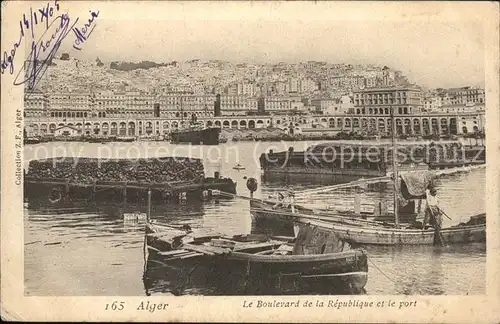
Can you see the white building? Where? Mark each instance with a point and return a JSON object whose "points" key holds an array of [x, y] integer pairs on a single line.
{"points": [[458, 108], [432, 103], [68, 131], [36, 104], [471, 123], [246, 89], [308, 86], [327, 106], [234, 105], [293, 85], [298, 106]]}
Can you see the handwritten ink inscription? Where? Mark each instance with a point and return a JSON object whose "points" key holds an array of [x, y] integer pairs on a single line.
{"points": [[55, 28], [83, 33], [44, 50], [29, 22]]}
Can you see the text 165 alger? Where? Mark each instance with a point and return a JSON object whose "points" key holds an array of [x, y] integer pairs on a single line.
{"points": [[143, 306]]}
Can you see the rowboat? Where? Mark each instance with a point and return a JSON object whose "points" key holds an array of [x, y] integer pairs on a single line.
{"points": [[279, 219], [360, 231], [238, 167], [254, 264], [459, 234]]}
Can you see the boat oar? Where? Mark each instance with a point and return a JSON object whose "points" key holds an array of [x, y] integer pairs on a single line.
{"points": [[437, 230], [444, 213]]}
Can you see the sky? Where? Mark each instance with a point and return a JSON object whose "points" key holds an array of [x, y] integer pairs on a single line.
{"points": [[433, 45], [429, 54]]}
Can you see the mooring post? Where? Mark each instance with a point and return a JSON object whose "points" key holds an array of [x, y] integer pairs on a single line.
{"points": [[251, 186], [66, 187]]}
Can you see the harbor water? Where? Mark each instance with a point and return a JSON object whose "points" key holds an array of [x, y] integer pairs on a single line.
{"points": [[92, 251]]}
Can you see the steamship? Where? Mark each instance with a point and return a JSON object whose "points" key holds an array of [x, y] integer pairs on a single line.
{"points": [[196, 134]]}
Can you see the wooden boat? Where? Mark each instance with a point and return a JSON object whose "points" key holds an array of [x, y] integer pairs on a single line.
{"points": [[279, 215], [257, 264], [277, 218], [330, 160], [459, 234], [100, 139], [125, 139], [337, 162], [379, 233], [238, 167], [79, 182], [31, 140], [357, 230]]}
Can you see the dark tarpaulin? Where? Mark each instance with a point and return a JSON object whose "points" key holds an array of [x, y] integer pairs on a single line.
{"points": [[315, 240], [414, 184]]}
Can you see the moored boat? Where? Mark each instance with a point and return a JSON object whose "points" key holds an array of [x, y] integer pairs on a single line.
{"points": [[195, 134], [100, 139], [31, 140], [125, 139], [278, 218], [376, 235], [110, 181], [238, 167], [344, 162], [408, 188], [357, 229], [281, 213], [317, 261]]}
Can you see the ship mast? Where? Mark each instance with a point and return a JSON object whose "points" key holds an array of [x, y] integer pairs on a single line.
{"points": [[394, 168]]}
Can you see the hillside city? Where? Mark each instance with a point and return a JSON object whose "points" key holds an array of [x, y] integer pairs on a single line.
{"points": [[80, 91]]}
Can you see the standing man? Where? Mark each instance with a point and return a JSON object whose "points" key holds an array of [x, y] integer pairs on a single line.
{"points": [[281, 201], [433, 215], [291, 195]]}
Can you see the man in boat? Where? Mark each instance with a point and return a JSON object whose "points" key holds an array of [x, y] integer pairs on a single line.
{"points": [[291, 196], [286, 203], [281, 201], [433, 213]]}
